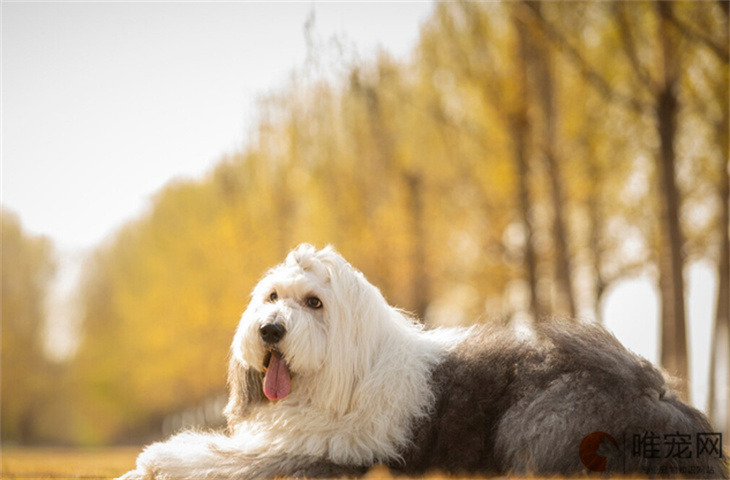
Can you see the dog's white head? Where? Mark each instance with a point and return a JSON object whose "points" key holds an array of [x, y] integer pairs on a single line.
{"points": [[284, 329], [309, 332]]}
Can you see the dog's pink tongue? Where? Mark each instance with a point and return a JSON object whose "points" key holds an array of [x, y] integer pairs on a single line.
{"points": [[276, 380]]}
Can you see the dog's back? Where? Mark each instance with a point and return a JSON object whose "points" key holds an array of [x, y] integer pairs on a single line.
{"points": [[569, 400]]}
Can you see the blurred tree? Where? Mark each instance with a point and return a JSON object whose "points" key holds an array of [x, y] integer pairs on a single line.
{"points": [[720, 357], [603, 211], [161, 304], [719, 376], [520, 127], [27, 267], [542, 64], [671, 258], [470, 52], [707, 29], [395, 167], [656, 93]]}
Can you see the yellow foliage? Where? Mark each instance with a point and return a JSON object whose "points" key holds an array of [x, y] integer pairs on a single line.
{"points": [[27, 267]]}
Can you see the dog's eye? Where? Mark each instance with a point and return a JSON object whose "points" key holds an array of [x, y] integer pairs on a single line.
{"points": [[273, 297], [314, 302]]}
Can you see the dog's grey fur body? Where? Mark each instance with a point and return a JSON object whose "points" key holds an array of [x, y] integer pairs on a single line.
{"points": [[523, 405]]}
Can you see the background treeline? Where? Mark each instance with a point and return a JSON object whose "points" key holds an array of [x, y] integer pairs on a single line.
{"points": [[526, 157]]}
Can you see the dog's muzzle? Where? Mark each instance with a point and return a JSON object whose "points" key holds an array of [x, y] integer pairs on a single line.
{"points": [[272, 333], [277, 379]]}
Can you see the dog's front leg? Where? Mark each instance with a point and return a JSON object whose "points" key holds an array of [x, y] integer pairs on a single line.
{"points": [[197, 456], [194, 456]]}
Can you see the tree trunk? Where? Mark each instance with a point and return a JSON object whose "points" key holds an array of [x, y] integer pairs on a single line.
{"points": [[674, 337], [596, 219], [564, 302], [419, 282], [718, 406], [719, 394], [519, 127]]}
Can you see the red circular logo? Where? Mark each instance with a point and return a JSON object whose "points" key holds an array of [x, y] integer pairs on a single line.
{"points": [[589, 451]]}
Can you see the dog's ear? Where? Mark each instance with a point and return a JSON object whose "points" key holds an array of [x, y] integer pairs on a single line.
{"points": [[245, 390]]}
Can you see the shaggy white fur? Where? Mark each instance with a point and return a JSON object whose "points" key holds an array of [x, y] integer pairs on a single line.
{"points": [[355, 376]]}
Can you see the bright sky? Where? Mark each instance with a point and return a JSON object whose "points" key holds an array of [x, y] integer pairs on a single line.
{"points": [[104, 103]]}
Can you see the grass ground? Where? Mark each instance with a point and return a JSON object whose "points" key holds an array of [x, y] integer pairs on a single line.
{"points": [[40, 463], [66, 463]]}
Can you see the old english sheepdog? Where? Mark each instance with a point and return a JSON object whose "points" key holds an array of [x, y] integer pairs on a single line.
{"points": [[326, 379]]}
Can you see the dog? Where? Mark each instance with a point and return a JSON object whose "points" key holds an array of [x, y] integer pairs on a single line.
{"points": [[326, 379]]}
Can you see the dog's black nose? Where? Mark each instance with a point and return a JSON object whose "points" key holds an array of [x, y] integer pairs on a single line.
{"points": [[272, 332]]}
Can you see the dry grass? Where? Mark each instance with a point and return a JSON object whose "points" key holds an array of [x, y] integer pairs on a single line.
{"points": [[66, 463], [106, 463], [99, 463]]}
